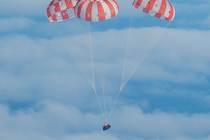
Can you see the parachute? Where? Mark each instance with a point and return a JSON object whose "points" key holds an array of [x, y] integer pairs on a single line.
{"points": [[89, 10], [161, 9], [158, 8], [59, 10], [97, 12]]}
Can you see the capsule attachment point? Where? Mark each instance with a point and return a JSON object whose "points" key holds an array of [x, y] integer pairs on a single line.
{"points": [[106, 126]]}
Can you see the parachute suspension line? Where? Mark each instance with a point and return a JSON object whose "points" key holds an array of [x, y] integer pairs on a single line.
{"points": [[91, 54], [114, 105], [107, 68], [105, 78], [126, 50], [102, 86], [143, 57], [104, 98], [104, 105], [92, 84], [137, 66], [123, 69], [99, 103], [106, 120]]}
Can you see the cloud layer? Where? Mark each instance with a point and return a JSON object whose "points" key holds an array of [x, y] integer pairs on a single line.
{"points": [[53, 120]]}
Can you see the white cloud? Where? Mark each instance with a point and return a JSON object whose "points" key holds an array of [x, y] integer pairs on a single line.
{"points": [[92, 136], [53, 120], [30, 64], [15, 24]]}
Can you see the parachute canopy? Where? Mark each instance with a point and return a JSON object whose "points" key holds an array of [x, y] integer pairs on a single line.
{"points": [[59, 10], [158, 8], [96, 10]]}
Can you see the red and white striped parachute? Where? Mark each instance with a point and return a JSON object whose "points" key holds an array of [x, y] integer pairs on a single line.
{"points": [[99, 10], [59, 10], [158, 8], [89, 10], [96, 10]]}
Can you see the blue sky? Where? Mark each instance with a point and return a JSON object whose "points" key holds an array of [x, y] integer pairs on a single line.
{"points": [[44, 94]]}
